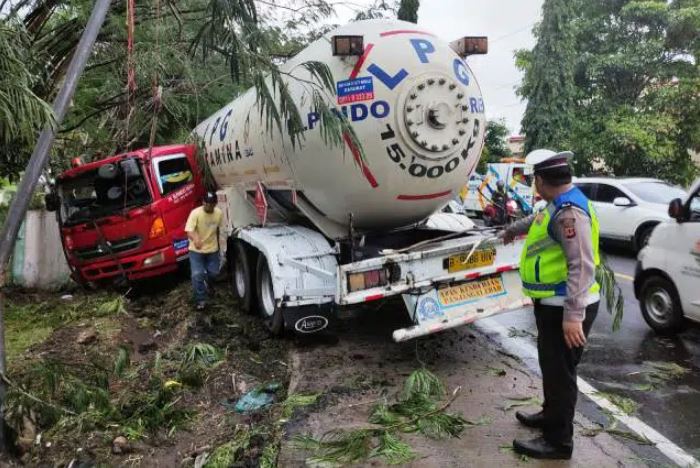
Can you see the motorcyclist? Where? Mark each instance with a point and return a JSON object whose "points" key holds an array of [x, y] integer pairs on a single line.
{"points": [[499, 199]]}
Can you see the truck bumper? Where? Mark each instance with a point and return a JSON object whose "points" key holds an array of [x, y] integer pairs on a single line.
{"points": [[137, 266]]}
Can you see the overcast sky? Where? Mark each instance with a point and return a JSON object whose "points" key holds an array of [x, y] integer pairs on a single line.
{"points": [[508, 25]]}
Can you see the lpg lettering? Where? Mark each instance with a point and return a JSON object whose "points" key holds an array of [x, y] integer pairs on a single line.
{"points": [[423, 48], [224, 126], [461, 72]]}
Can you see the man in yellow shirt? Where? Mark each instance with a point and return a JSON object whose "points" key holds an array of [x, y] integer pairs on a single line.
{"points": [[202, 229]]}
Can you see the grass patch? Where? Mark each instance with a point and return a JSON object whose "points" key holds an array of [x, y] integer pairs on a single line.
{"points": [[227, 454], [28, 323]]}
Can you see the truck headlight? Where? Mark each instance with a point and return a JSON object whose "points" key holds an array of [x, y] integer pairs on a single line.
{"points": [[156, 259]]}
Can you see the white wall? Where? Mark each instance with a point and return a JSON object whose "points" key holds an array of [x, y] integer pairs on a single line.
{"points": [[38, 261]]}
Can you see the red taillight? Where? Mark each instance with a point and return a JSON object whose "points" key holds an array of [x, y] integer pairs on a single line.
{"points": [[367, 280]]}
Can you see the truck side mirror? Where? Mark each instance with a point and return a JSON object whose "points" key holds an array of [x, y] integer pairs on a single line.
{"points": [[675, 209], [52, 202]]}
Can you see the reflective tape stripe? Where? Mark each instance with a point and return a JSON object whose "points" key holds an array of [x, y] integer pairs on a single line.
{"points": [[556, 287], [539, 246]]}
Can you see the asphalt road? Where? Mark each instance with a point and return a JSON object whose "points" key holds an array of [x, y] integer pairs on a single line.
{"points": [[627, 363]]}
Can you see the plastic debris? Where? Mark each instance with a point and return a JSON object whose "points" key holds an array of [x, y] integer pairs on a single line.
{"points": [[257, 398]]}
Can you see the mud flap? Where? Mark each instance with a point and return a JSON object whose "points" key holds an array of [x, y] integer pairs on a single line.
{"points": [[310, 319], [462, 303]]}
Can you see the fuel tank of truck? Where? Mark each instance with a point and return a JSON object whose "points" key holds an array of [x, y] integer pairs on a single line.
{"points": [[414, 105]]}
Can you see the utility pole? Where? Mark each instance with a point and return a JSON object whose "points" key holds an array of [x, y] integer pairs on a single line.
{"points": [[27, 185]]}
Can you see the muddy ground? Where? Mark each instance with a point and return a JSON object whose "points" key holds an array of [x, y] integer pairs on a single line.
{"points": [[147, 381], [115, 381]]}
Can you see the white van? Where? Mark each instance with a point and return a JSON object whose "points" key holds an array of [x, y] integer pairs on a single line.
{"points": [[667, 279]]}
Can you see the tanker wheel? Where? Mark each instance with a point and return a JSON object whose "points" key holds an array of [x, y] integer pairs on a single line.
{"points": [[242, 272], [271, 313]]}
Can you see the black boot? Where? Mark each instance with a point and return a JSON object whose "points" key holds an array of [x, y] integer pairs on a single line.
{"points": [[540, 448], [535, 420]]}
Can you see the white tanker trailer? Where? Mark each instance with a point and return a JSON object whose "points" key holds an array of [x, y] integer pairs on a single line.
{"points": [[312, 226]]}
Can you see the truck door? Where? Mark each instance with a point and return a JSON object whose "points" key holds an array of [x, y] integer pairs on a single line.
{"points": [[685, 258], [175, 181]]}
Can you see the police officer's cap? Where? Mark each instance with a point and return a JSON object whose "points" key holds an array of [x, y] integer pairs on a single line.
{"points": [[544, 159]]}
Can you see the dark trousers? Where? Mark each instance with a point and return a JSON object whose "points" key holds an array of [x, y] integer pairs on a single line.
{"points": [[558, 364]]}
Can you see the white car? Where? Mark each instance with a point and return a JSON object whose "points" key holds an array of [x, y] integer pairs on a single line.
{"points": [[629, 209], [667, 278]]}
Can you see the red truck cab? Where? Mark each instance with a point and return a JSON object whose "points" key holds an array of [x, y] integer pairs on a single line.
{"points": [[124, 216]]}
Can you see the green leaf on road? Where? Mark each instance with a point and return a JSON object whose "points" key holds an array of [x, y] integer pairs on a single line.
{"points": [[625, 404], [511, 403]]}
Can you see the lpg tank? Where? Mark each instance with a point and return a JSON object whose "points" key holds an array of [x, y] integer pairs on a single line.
{"points": [[414, 105]]}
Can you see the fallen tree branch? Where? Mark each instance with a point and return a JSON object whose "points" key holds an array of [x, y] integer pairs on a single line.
{"points": [[33, 397]]}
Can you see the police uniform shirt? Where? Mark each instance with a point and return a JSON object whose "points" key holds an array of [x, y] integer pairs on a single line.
{"points": [[572, 230]]}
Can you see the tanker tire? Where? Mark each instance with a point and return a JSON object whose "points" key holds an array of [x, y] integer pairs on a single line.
{"points": [[270, 312], [242, 278]]}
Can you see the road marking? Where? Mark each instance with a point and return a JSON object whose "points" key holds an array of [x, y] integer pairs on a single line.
{"points": [[624, 277], [523, 349]]}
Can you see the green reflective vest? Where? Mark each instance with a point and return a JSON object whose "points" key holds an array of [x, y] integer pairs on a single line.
{"points": [[543, 267]]}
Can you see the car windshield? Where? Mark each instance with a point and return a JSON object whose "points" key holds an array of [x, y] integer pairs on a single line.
{"points": [[656, 192], [102, 192]]}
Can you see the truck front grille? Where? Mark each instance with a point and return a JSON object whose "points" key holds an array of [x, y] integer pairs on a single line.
{"points": [[102, 250]]}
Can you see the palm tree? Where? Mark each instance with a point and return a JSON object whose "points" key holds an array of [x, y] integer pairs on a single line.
{"points": [[22, 112]]}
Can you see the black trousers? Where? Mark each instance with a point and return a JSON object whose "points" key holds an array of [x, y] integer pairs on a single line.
{"points": [[558, 364]]}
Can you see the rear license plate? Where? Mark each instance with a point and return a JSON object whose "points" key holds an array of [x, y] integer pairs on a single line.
{"points": [[479, 258], [479, 289]]}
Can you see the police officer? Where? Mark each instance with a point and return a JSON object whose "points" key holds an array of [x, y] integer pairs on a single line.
{"points": [[557, 268]]}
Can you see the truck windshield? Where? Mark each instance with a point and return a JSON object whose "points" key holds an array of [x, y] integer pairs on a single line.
{"points": [[105, 191]]}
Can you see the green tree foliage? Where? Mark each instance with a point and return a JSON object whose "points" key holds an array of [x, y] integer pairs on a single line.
{"points": [[408, 10], [495, 144], [637, 87], [22, 113], [190, 58], [548, 83]]}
